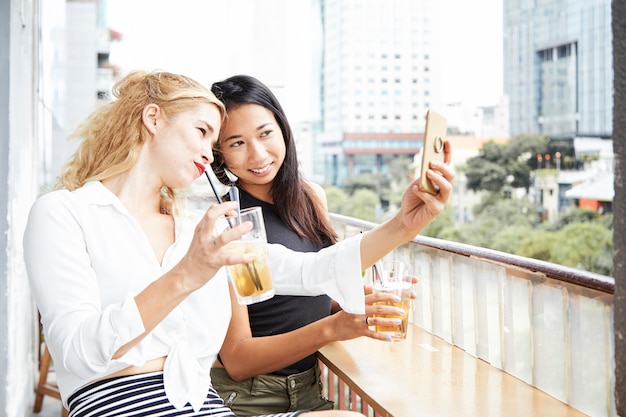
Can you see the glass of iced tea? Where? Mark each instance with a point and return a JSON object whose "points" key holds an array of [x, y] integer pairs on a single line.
{"points": [[394, 277], [252, 281]]}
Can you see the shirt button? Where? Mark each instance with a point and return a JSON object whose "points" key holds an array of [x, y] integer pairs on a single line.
{"points": [[292, 383]]}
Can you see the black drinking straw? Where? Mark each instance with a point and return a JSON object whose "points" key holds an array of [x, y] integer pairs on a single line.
{"points": [[217, 196], [251, 268], [208, 177]]}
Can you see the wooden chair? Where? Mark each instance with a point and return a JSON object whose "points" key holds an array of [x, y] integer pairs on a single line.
{"points": [[43, 386]]}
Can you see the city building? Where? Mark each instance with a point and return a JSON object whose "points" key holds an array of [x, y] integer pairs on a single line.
{"points": [[480, 121], [51, 53], [596, 194], [558, 76], [532, 328], [75, 49], [558, 69], [585, 181], [378, 77]]}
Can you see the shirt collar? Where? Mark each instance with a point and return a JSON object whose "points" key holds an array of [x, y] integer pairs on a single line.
{"points": [[94, 192]]}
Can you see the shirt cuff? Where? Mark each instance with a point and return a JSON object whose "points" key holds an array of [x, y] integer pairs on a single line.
{"points": [[334, 271], [127, 325]]}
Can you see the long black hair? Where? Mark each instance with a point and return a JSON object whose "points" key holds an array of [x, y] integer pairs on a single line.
{"points": [[295, 201]]}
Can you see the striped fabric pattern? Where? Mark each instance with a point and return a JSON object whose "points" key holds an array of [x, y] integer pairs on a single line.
{"points": [[141, 395]]}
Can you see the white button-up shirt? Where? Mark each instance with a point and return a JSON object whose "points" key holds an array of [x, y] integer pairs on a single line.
{"points": [[87, 258]]}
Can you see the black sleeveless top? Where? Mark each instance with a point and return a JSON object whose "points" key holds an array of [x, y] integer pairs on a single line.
{"points": [[282, 313]]}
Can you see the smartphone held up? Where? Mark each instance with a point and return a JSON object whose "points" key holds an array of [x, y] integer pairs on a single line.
{"points": [[434, 137]]}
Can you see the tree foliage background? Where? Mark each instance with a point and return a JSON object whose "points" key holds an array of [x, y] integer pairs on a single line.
{"points": [[503, 221]]}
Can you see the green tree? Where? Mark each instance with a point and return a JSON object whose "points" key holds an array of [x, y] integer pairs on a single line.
{"points": [[510, 238], [515, 211], [538, 245], [477, 233], [484, 175], [372, 182], [573, 215], [579, 243], [363, 205], [587, 246], [398, 174], [453, 233], [607, 220], [337, 200], [520, 157], [602, 260], [497, 161], [388, 186], [443, 221]]}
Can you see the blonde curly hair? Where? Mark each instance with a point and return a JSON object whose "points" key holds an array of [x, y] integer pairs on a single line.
{"points": [[113, 134]]}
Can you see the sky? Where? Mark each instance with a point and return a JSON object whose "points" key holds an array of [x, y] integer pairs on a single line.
{"points": [[472, 46], [210, 40]]}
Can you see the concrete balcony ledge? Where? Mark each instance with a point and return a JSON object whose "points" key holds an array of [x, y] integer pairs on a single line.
{"points": [[548, 327]]}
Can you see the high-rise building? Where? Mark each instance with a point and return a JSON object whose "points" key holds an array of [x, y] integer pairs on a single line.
{"points": [[378, 77], [558, 72], [75, 46]]}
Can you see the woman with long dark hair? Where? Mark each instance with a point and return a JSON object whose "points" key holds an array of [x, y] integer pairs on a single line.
{"points": [[268, 362]]}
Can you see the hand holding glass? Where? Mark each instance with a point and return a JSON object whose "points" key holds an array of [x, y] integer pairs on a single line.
{"points": [[394, 278], [252, 281]]}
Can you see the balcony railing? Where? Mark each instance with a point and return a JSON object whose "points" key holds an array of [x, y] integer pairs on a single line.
{"points": [[550, 327]]}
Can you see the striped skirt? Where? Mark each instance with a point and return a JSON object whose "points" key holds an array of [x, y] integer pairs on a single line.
{"points": [[141, 395]]}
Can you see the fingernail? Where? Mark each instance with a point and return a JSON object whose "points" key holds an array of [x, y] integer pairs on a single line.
{"points": [[401, 312], [397, 298], [397, 321], [387, 338]]}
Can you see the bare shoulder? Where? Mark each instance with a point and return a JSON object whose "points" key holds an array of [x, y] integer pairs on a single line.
{"points": [[318, 189], [319, 192]]}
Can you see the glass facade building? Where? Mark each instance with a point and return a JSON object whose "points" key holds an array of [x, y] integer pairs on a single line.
{"points": [[558, 72]]}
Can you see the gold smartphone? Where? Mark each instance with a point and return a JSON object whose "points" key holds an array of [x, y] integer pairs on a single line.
{"points": [[434, 136]]}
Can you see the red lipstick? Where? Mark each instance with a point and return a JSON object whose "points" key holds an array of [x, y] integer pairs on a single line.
{"points": [[201, 168]]}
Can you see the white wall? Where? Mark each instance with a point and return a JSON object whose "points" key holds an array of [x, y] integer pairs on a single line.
{"points": [[18, 188]]}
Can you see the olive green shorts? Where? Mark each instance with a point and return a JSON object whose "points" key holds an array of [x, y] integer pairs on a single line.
{"points": [[270, 394]]}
